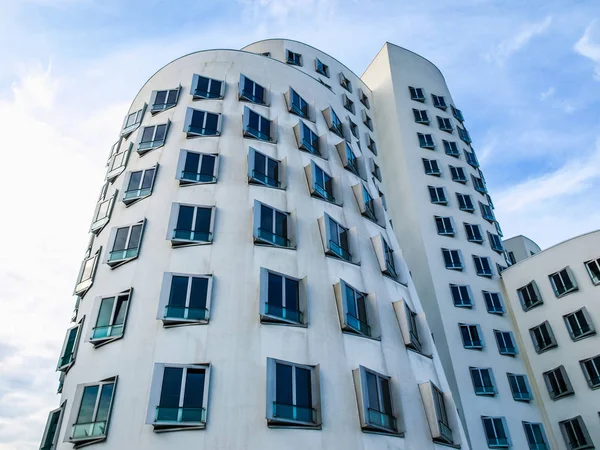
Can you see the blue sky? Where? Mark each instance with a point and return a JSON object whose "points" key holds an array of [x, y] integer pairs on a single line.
{"points": [[525, 73]]}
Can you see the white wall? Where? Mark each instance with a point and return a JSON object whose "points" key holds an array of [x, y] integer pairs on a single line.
{"points": [[521, 247]]}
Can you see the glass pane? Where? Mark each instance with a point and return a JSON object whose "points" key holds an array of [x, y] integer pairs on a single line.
{"points": [[266, 218], [386, 396], [148, 177], [362, 310], [88, 402], [121, 239], [104, 403], [208, 165], [52, 425], [172, 97], [147, 134], [199, 293], [121, 309], [197, 119], [178, 293], [283, 384], [333, 231], [281, 224], [184, 220], [105, 312], [203, 220], [303, 388], [260, 163], [161, 96], [194, 388], [372, 392], [215, 88], [160, 132], [171, 387], [88, 266], [273, 169], [134, 238], [275, 290], [265, 126], [202, 85], [211, 122], [72, 336], [350, 302], [489, 428], [134, 180], [291, 295], [192, 160]]}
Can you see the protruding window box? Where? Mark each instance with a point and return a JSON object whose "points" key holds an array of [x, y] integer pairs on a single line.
{"points": [[321, 184], [389, 264], [139, 184], [266, 171], [111, 316], [132, 121], [117, 161], [197, 168], [350, 160], [87, 272], [357, 311], [338, 241], [333, 121], [309, 141], [298, 106], [152, 137], [185, 299], [69, 348], [413, 327], [273, 227], [163, 100], [441, 414], [206, 88], [282, 299], [52, 429], [258, 127], [125, 243], [103, 212], [191, 225], [371, 208], [251, 91]]}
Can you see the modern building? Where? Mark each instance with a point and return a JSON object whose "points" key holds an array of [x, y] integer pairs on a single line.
{"points": [[243, 287], [554, 297], [518, 248]]}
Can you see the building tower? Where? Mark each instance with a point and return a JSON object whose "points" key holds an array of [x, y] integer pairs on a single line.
{"points": [[242, 287]]}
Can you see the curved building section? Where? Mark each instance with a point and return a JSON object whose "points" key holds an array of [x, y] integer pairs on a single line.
{"points": [[242, 286]]}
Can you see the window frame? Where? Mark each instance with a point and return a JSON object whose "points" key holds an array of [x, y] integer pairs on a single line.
{"points": [[267, 318], [143, 148], [473, 236], [252, 97], [458, 174], [544, 445], [142, 192], [126, 130], [567, 392], [416, 94], [82, 286], [371, 328], [495, 441], [593, 380], [588, 444], [483, 390], [293, 58], [433, 171], [445, 226], [426, 141], [463, 205], [566, 271], [311, 176], [165, 297], [315, 145], [458, 290], [177, 242], [290, 241], [198, 96], [594, 275], [440, 412], [112, 171], [495, 243], [364, 98], [53, 444], [321, 67], [454, 266], [472, 344], [99, 341], [63, 366], [114, 263], [552, 339], [98, 224], [348, 104], [334, 124], [353, 164], [181, 163], [588, 319], [503, 348], [471, 158], [439, 102], [535, 290], [483, 272], [493, 302], [439, 199], [451, 148], [345, 82], [445, 124], [352, 252], [520, 381], [253, 179], [203, 131], [158, 108], [292, 108], [421, 116]]}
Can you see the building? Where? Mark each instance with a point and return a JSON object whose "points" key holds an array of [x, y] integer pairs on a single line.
{"points": [[242, 287], [518, 248], [554, 296]]}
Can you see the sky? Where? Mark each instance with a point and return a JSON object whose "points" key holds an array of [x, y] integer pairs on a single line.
{"points": [[526, 74]]}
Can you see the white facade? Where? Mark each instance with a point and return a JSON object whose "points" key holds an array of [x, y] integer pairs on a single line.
{"points": [[231, 342], [571, 342], [520, 247]]}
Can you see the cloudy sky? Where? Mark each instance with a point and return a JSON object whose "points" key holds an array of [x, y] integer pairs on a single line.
{"points": [[526, 74]]}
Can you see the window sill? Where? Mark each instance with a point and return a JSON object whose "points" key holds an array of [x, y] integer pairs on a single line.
{"points": [[255, 182], [337, 258], [154, 111], [171, 322], [177, 243], [585, 336], [544, 350], [142, 151], [418, 352], [561, 396], [165, 428], [399, 434], [266, 319], [99, 342], [529, 308], [567, 293], [359, 335], [195, 183]]}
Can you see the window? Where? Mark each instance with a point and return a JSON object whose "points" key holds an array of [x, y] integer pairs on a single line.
{"points": [[321, 183], [196, 168], [444, 124], [185, 299], [471, 158], [461, 295], [389, 266], [530, 296], [465, 202], [272, 226], [350, 161], [117, 161], [139, 184], [436, 408], [201, 123], [295, 59], [495, 243], [296, 104], [163, 100], [439, 101], [366, 204], [593, 268], [463, 134], [478, 184], [486, 212], [264, 170], [563, 282], [132, 121], [426, 141], [374, 393], [257, 126], [431, 167], [493, 302], [103, 211], [591, 371], [519, 387], [498, 229], [307, 139], [413, 328], [445, 225], [558, 384], [496, 432], [483, 381], [579, 324], [371, 144], [536, 437], [421, 116], [348, 104], [457, 114], [111, 314], [52, 428], [321, 68], [179, 399], [542, 337], [417, 94], [251, 91], [353, 128], [575, 434], [438, 195], [191, 225], [293, 395], [451, 148], [510, 258], [90, 415], [452, 259], [324, 84], [69, 348], [206, 88], [473, 233], [345, 82], [458, 174], [483, 266], [506, 343], [367, 120], [364, 99], [337, 240], [333, 121], [124, 243], [471, 336], [85, 279], [282, 299], [353, 310], [153, 137]]}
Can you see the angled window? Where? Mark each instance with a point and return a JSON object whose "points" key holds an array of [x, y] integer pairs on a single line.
{"points": [[206, 88], [457, 114], [478, 184], [426, 141], [353, 310], [558, 383], [417, 94], [439, 101], [437, 407], [69, 348], [282, 298], [463, 134], [458, 174], [371, 144], [272, 226], [191, 225], [293, 395], [325, 84], [579, 324], [353, 128], [185, 299], [438, 195], [367, 120], [163, 100], [530, 296], [307, 139], [348, 104], [563, 282], [473, 233], [542, 337], [296, 104], [321, 67], [483, 266], [333, 121], [413, 329], [153, 137], [483, 381], [264, 170], [117, 161], [350, 161], [52, 428], [196, 168], [139, 184], [257, 126], [366, 203], [445, 225], [431, 167], [486, 212], [124, 243], [593, 268], [111, 315], [293, 58], [506, 343], [421, 116], [201, 123], [536, 436], [132, 121], [444, 124], [493, 302], [337, 240], [320, 183], [471, 158], [495, 243], [87, 271], [496, 432], [471, 336], [345, 82], [364, 99], [452, 259], [103, 211], [519, 386], [90, 415], [575, 434], [386, 257], [465, 202], [374, 394], [461, 295], [591, 371], [251, 91], [179, 399], [451, 148]]}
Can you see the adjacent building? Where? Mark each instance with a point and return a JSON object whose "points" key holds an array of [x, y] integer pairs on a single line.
{"points": [[518, 248]]}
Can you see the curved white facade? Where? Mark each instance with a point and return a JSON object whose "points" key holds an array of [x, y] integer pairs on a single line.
{"points": [[229, 351]]}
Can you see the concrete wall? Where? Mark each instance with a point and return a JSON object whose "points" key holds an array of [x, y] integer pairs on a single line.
{"points": [[521, 247]]}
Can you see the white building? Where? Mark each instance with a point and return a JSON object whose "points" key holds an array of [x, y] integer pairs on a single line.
{"points": [[242, 287], [554, 297], [520, 247]]}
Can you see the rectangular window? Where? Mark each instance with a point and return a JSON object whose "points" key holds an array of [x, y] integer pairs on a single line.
{"points": [[345, 82], [201, 123], [493, 302], [321, 67], [464, 135], [465, 202], [439, 101], [536, 437], [132, 121], [438, 195], [293, 395], [457, 114], [478, 184], [486, 212], [296, 104], [593, 268], [282, 299], [444, 124], [355, 309], [257, 126], [117, 161], [322, 184], [92, 412], [338, 243], [272, 226], [139, 185], [368, 207], [185, 299], [353, 128], [451, 148], [452, 259], [421, 116], [506, 343], [375, 401], [371, 144], [591, 371], [251, 91], [495, 243], [153, 137], [519, 387], [496, 432], [579, 324], [110, 319], [471, 158], [163, 100], [426, 141], [575, 434], [458, 174], [196, 168], [542, 337], [333, 121], [417, 94], [483, 381], [348, 104], [563, 282], [390, 264], [530, 296], [206, 88], [124, 243], [558, 383], [85, 279], [349, 159], [364, 99], [445, 226], [263, 169], [441, 414], [191, 224], [473, 233], [52, 428], [431, 167], [461, 295], [367, 120], [293, 58], [103, 211], [471, 336], [307, 139], [483, 266], [69, 348]]}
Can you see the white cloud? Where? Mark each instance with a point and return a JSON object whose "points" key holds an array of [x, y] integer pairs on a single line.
{"points": [[589, 46], [548, 93]]}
